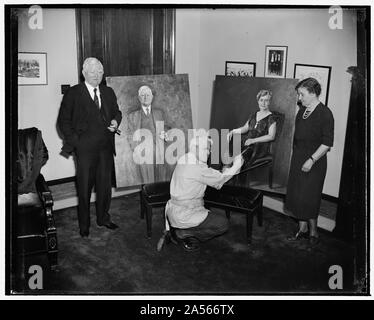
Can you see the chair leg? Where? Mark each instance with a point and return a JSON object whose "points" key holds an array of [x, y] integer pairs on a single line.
{"points": [[142, 206], [249, 227], [271, 176], [228, 213], [52, 250], [148, 217], [259, 212]]}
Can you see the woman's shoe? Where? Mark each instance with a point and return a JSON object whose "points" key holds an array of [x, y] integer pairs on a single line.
{"points": [[300, 235]]}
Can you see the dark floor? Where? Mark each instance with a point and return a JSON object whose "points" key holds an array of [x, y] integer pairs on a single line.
{"points": [[126, 262]]}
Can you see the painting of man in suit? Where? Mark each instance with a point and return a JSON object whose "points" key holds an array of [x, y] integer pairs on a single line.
{"points": [[150, 123], [154, 131]]}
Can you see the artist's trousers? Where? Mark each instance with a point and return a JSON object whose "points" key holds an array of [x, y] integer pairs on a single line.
{"points": [[214, 225]]}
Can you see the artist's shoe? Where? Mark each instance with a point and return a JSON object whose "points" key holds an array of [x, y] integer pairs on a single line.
{"points": [[84, 234], [313, 240], [110, 225], [300, 235], [190, 244]]}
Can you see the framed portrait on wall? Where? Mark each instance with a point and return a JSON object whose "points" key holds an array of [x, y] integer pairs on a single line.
{"points": [[275, 61], [240, 69], [32, 68], [320, 73]]}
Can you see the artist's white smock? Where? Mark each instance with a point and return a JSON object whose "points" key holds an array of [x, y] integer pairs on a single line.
{"points": [[186, 209]]}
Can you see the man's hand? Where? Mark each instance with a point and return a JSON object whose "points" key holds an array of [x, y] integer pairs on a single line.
{"points": [[238, 160], [164, 136], [113, 125]]}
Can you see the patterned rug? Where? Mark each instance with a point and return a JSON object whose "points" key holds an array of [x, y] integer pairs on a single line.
{"points": [[124, 261]]}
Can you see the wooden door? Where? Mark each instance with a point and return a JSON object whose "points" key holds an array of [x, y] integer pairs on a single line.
{"points": [[128, 41]]}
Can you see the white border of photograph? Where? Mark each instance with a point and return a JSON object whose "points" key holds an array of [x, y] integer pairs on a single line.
{"points": [[283, 60], [41, 77]]}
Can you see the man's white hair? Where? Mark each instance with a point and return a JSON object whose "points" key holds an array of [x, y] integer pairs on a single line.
{"points": [[144, 89], [201, 138], [89, 61]]}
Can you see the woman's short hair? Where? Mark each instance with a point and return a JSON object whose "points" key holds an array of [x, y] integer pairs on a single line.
{"points": [[310, 84], [263, 93]]}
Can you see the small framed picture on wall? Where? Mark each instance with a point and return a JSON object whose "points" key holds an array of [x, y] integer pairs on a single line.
{"points": [[240, 69], [275, 61], [32, 68], [320, 73]]}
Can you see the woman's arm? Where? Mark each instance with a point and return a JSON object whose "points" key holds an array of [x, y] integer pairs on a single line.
{"points": [[240, 130], [318, 154], [327, 140], [265, 138]]}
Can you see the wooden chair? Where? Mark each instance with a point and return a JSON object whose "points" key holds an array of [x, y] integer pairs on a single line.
{"points": [[35, 227]]}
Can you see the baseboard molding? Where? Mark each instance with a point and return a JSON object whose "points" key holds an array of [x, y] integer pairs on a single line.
{"points": [[61, 181], [271, 203], [276, 205], [73, 201]]}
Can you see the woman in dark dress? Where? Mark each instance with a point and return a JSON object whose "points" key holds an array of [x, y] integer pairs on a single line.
{"points": [[313, 138], [260, 127]]}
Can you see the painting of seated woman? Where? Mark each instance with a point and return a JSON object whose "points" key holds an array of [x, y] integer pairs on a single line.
{"points": [[257, 114], [257, 133]]}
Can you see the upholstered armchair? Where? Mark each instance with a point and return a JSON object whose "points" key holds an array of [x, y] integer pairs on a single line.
{"points": [[35, 228]]}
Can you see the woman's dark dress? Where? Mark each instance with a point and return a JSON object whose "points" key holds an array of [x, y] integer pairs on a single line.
{"points": [[255, 131], [304, 189]]}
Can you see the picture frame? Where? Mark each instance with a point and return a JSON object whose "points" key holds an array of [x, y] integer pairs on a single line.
{"points": [[240, 69], [275, 61], [32, 68], [321, 73]]}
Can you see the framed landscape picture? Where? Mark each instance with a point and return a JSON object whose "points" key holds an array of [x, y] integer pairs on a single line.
{"points": [[275, 61], [320, 73], [32, 68], [240, 69]]}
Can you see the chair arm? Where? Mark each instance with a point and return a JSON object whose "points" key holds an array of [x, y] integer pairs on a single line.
{"points": [[47, 200], [256, 147], [44, 191]]}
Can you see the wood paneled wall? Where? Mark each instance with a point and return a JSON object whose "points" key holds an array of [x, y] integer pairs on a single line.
{"points": [[128, 41]]}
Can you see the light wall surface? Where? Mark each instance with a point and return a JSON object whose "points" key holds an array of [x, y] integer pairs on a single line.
{"points": [[38, 105], [242, 34], [205, 39]]}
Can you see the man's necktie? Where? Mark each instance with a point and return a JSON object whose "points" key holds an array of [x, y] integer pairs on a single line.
{"points": [[96, 99], [306, 113], [147, 111]]}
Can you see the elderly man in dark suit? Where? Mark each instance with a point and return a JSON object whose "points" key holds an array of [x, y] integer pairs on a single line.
{"points": [[88, 119], [154, 121]]}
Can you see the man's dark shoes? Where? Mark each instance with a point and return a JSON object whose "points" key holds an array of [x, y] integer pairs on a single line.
{"points": [[189, 244], [298, 236], [110, 225], [84, 234]]}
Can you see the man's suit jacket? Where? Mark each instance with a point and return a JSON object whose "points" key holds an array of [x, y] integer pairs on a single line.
{"points": [[134, 123], [75, 109]]}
